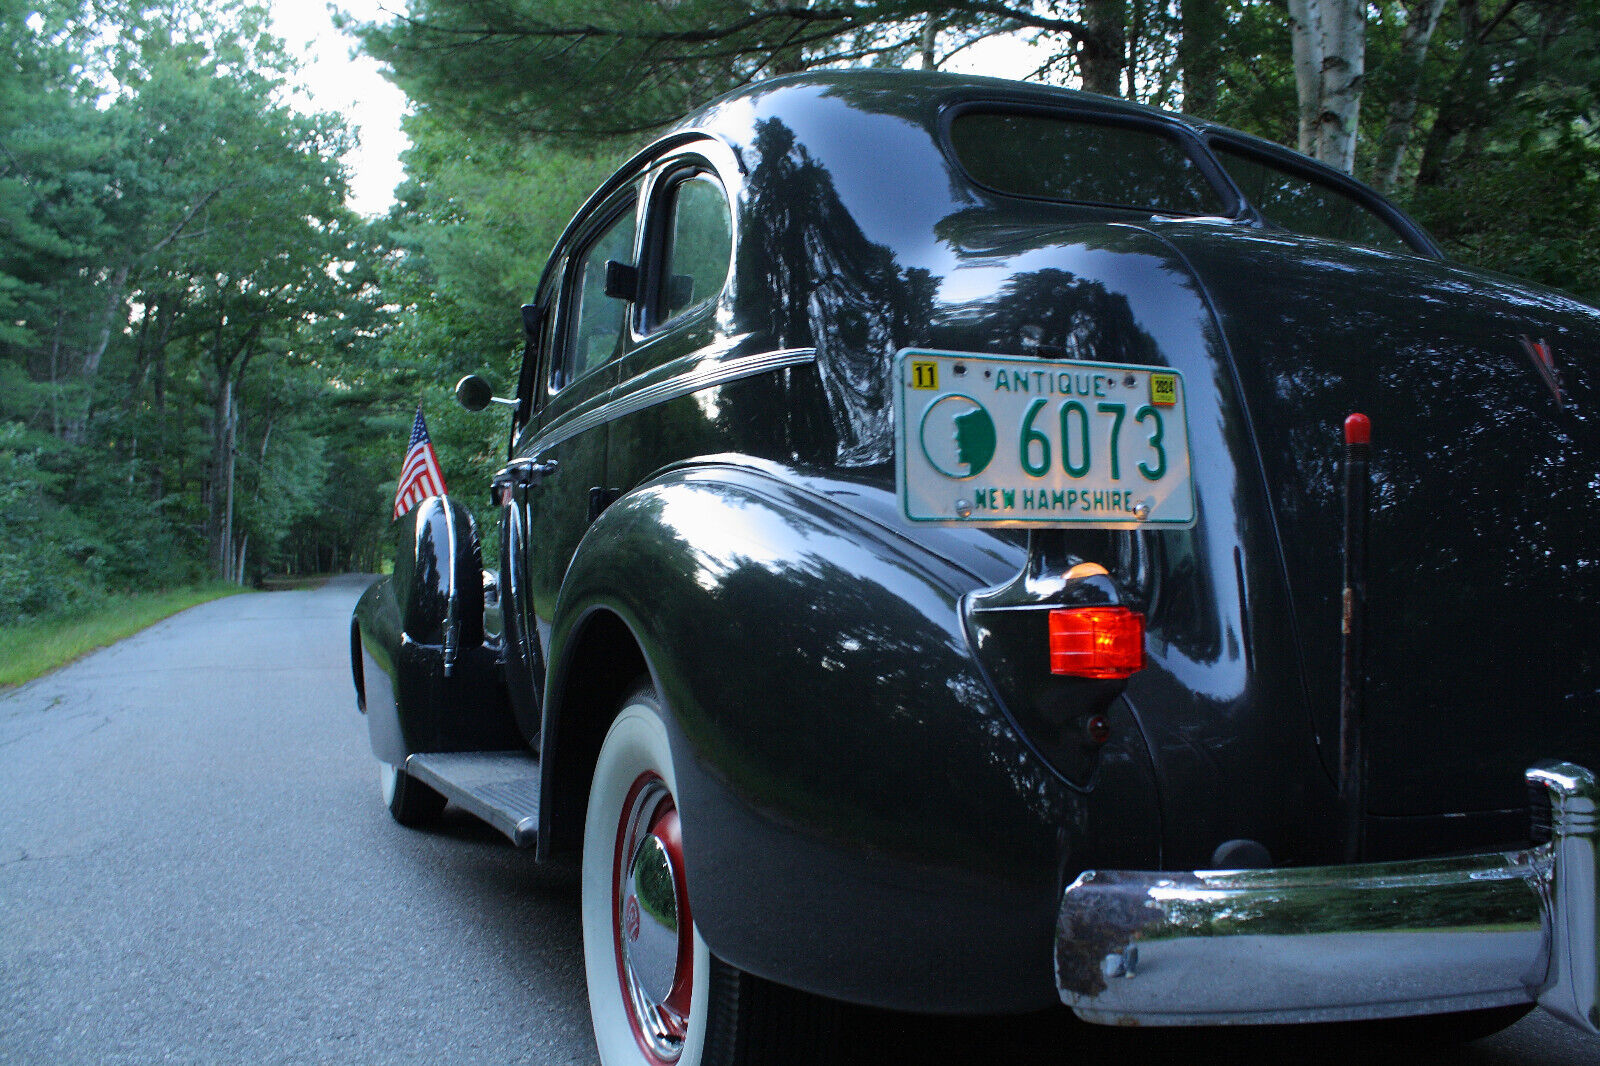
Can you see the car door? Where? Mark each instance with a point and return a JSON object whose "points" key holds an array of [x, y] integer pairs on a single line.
{"points": [[559, 457]]}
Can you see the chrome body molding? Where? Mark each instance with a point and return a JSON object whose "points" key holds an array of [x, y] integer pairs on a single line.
{"points": [[720, 372], [1340, 943], [452, 621]]}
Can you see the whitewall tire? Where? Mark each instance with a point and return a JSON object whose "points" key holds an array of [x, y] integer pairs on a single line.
{"points": [[648, 968], [657, 995]]}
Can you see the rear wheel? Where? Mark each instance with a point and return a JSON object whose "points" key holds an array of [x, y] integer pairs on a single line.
{"points": [[657, 995], [410, 801]]}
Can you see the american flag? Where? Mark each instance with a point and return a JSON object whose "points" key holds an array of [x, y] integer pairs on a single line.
{"points": [[419, 475]]}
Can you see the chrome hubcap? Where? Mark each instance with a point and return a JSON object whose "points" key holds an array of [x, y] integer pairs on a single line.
{"points": [[650, 919], [654, 945]]}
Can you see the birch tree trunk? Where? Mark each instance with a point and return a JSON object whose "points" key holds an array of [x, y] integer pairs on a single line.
{"points": [[75, 430], [230, 367], [222, 452], [1133, 49], [1401, 120], [55, 371], [1329, 39], [1344, 75], [1305, 29], [76, 427]]}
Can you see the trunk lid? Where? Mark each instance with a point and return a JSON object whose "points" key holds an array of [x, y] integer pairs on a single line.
{"points": [[1484, 586]]}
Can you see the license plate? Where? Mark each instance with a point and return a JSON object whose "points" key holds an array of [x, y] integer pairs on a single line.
{"points": [[988, 441]]}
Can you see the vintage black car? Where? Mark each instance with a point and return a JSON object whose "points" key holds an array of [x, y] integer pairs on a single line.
{"points": [[934, 574]]}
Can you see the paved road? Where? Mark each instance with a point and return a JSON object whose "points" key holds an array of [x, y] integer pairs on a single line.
{"points": [[195, 868]]}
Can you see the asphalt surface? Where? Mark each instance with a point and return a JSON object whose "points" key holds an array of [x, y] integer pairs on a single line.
{"points": [[195, 868]]}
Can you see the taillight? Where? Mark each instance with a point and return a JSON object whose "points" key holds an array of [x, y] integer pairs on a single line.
{"points": [[1106, 643]]}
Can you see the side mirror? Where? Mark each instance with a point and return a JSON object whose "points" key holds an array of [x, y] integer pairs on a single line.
{"points": [[474, 393]]}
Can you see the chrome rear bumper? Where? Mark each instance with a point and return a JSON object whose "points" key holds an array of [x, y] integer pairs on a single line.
{"points": [[1339, 943]]}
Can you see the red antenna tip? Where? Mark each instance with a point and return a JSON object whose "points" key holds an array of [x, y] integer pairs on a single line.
{"points": [[1358, 429]]}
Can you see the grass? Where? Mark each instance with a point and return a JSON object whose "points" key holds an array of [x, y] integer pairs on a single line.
{"points": [[37, 646]]}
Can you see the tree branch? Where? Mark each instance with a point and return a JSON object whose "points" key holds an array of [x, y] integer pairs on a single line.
{"points": [[1500, 16], [188, 217]]}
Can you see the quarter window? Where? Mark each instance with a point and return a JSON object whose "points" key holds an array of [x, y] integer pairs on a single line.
{"points": [[699, 246], [1303, 205]]}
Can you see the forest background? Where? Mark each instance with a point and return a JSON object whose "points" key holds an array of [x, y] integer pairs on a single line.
{"points": [[209, 364]]}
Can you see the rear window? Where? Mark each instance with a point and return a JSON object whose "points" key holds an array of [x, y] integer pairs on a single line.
{"points": [[1058, 157], [1303, 205]]}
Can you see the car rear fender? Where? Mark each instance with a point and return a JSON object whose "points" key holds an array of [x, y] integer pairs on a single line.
{"points": [[827, 722]]}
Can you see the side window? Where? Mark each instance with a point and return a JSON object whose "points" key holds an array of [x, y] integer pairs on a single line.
{"points": [[698, 245], [596, 319]]}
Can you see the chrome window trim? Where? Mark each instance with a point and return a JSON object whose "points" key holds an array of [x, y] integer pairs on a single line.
{"points": [[613, 407], [672, 171]]}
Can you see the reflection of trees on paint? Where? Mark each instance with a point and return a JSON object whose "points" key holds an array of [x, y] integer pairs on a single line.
{"points": [[812, 278], [1073, 318], [876, 672], [1483, 561], [1060, 311]]}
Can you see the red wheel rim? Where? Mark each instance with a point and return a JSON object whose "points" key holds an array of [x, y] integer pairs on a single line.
{"points": [[657, 1006]]}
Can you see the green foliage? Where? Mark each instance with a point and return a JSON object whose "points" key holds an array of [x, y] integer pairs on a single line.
{"points": [[1529, 208], [181, 289], [208, 366], [1255, 88], [585, 67], [45, 549], [1504, 162], [475, 223]]}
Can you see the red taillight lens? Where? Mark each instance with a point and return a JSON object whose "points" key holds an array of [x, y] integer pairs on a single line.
{"points": [[1106, 643]]}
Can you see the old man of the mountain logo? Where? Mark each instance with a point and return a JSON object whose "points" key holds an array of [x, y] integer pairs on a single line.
{"points": [[958, 436]]}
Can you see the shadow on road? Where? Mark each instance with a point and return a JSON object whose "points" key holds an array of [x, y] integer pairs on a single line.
{"points": [[883, 1038]]}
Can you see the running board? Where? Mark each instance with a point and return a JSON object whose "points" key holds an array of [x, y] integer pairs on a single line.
{"points": [[501, 787]]}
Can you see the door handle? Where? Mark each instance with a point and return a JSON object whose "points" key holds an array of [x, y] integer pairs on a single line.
{"points": [[522, 474]]}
